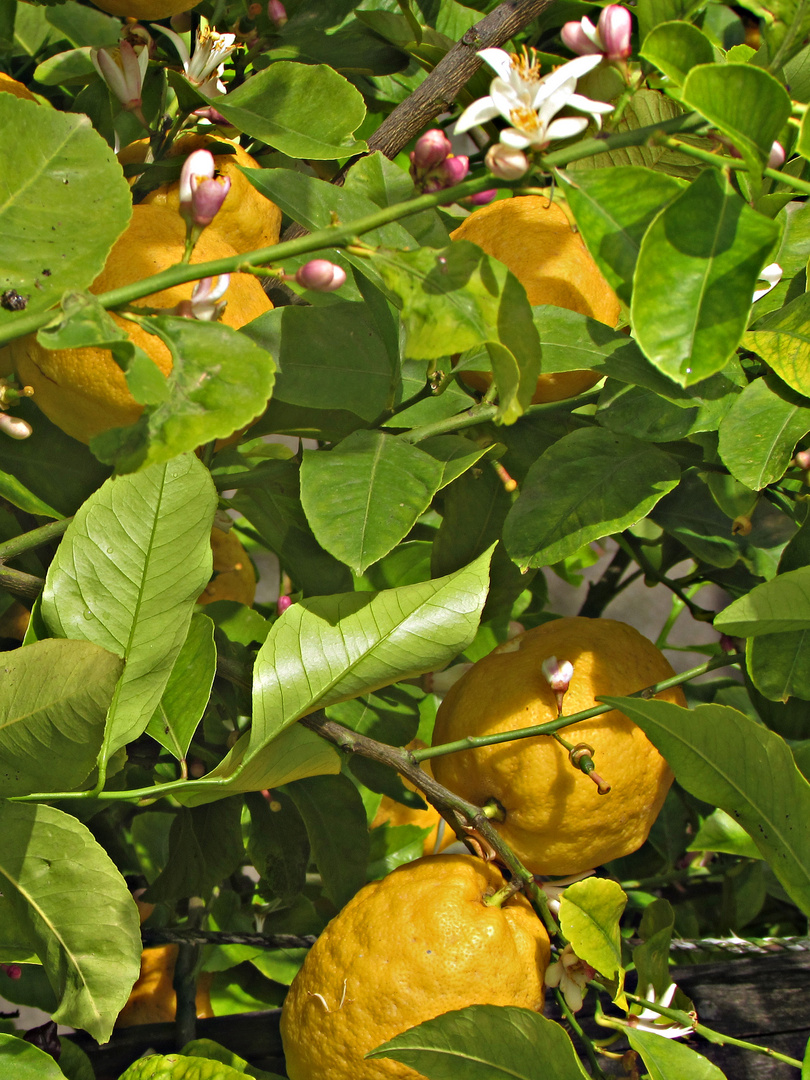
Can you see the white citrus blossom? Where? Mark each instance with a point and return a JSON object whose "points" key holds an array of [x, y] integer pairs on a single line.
{"points": [[123, 69], [771, 275], [204, 67], [647, 1020], [572, 975], [530, 101]]}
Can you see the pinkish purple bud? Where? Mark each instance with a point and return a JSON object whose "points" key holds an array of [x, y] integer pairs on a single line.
{"points": [[282, 604], [13, 971], [482, 198], [776, 158], [615, 28], [197, 167], [320, 275], [431, 149], [506, 162], [276, 13], [802, 459], [207, 199], [580, 38], [453, 169]]}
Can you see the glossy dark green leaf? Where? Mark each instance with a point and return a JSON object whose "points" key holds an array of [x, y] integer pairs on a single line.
{"points": [[694, 279], [667, 1058], [782, 339], [91, 962], [187, 692], [335, 819], [65, 203], [675, 48], [742, 101], [759, 433], [614, 208], [126, 576], [278, 844], [54, 698], [455, 453], [486, 1042], [205, 846], [774, 607], [363, 496], [283, 105], [474, 509], [589, 484], [728, 760]]}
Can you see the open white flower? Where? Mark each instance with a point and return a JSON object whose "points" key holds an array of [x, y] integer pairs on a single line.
{"points": [[204, 67], [530, 101], [572, 975], [647, 1020]]}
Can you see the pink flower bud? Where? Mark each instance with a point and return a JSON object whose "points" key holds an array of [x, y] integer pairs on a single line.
{"points": [[197, 167], [207, 199], [776, 158], [580, 38], [453, 169], [431, 149], [13, 971], [482, 198], [802, 459], [320, 275], [615, 28], [276, 13], [558, 675], [282, 604], [506, 162]]}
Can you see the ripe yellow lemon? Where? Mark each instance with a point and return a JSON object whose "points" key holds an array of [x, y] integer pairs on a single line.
{"points": [[555, 819], [416, 944], [84, 391], [152, 999], [534, 239], [234, 577], [144, 9], [11, 86], [391, 812], [246, 219]]}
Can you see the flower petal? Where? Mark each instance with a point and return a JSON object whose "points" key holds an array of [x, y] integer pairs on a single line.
{"points": [[499, 60], [566, 127], [478, 113]]}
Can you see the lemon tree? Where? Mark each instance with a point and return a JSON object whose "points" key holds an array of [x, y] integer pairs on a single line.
{"points": [[404, 450]]}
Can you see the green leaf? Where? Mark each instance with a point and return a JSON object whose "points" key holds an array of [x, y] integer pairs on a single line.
{"points": [[589, 917], [284, 107], [18, 943], [65, 203], [74, 1062], [742, 101], [332, 648], [667, 1058], [58, 879], [127, 575], [459, 298], [53, 703], [206, 398], [365, 495], [779, 664], [774, 607], [335, 818], [187, 692], [695, 277], [782, 339], [20, 1060], [675, 48], [587, 485], [213, 1051], [651, 957], [486, 1042], [759, 433], [730, 761], [720, 832], [179, 1067], [205, 847], [614, 208], [278, 845]]}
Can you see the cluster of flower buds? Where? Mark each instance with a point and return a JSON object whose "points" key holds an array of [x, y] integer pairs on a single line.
{"points": [[202, 192], [434, 166], [283, 603], [609, 38], [320, 275]]}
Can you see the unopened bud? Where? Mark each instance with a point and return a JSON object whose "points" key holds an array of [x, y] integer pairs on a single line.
{"points": [[282, 604], [431, 149], [454, 168], [208, 198], [276, 13], [581, 38], [802, 459], [201, 194], [13, 971], [776, 158], [615, 28], [483, 197], [320, 275], [14, 426], [558, 676], [506, 162]]}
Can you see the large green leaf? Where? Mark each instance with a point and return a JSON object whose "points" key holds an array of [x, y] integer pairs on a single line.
{"points": [[283, 105], [782, 339], [54, 698], [486, 1042], [19, 1060], [695, 277], [728, 760], [331, 648], [675, 48], [667, 1058], [759, 433], [64, 203], [779, 664], [60, 883], [613, 208], [205, 846], [362, 497], [187, 692], [587, 485], [127, 575], [774, 607], [589, 917]]}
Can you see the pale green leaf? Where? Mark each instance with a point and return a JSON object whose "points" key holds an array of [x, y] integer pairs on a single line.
{"points": [[775, 607], [675, 48], [667, 1058], [782, 339], [589, 917], [720, 832], [759, 433], [188, 689], [19, 1060]]}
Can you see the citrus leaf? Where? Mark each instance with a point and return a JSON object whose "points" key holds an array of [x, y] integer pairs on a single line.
{"points": [[20, 1060], [205, 847], [589, 917], [54, 698], [675, 48], [779, 664], [365, 495], [651, 957], [730, 761], [65, 203], [332, 648], [180, 1067], [587, 485], [775, 607], [17, 941], [695, 276], [187, 692], [58, 879], [759, 433], [127, 575], [782, 339], [213, 1051], [486, 1042], [720, 832], [666, 1058]]}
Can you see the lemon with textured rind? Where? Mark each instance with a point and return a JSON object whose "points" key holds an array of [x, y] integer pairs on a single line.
{"points": [[234, 577], [18, 89], [246, 219], [179, 1067], [534, 239], [84, 391], [152, 999], [418, 943], [391, 812], [556, 821]]}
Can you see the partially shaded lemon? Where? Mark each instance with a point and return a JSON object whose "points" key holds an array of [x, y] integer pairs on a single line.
{"points": [[234, 577]]}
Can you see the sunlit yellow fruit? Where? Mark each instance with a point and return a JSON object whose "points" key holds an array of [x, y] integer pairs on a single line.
{"points": [[416, 944], [11, 86], [555, 819], [391, 812], [14, 621], [152, 999], [234, 577], [84, 391], [144, 9], [532, 237], [246, 219]]}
